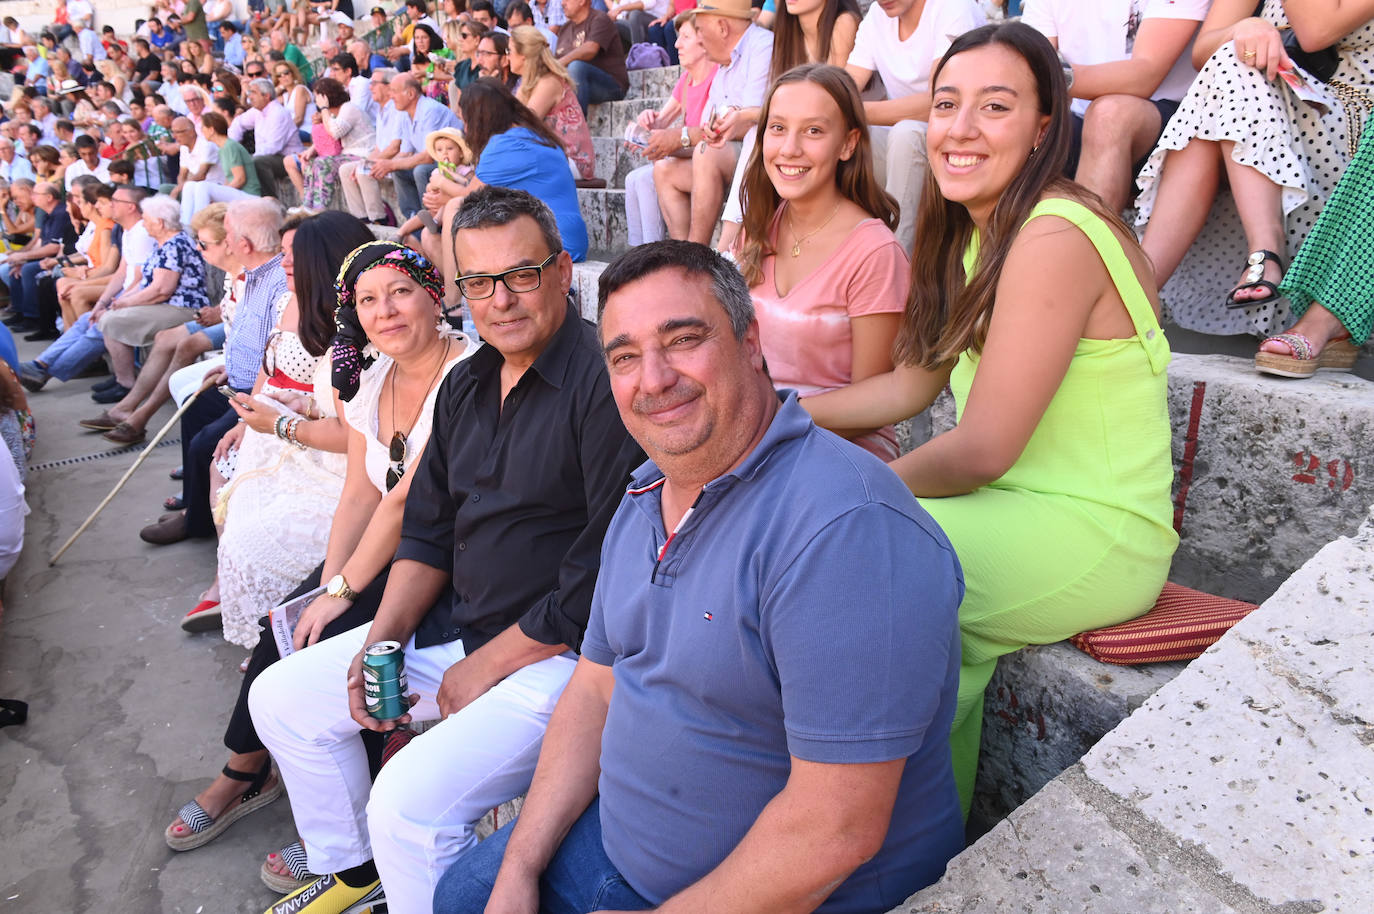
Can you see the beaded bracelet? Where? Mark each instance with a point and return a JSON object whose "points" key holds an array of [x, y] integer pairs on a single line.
{"points": [[291, 433]]}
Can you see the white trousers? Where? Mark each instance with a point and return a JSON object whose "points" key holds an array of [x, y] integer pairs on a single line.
{"points": [[196, 195], [899, 161], [645, 222], [362, 192], [734, 200], [420, 815]]}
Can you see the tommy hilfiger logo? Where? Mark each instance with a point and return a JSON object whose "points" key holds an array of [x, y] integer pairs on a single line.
{"points": [[706, 616]]}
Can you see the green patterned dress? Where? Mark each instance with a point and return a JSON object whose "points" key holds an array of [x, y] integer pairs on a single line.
{"points": [[1335, 266]]}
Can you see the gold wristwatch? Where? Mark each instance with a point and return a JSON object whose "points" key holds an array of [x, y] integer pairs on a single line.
{"points": [[338, 587]]}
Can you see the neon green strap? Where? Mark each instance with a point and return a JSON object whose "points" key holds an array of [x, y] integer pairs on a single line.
{"points": [[1119, 267]]}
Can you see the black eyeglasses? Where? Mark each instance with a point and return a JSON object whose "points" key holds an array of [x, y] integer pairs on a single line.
{"points": [[518, 279], [396, 453]]}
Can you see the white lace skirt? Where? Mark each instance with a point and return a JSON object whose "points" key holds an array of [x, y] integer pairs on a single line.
{"points": [[279, 508]]}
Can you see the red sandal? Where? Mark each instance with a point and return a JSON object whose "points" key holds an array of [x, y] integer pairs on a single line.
{"points": [[203, 618]]}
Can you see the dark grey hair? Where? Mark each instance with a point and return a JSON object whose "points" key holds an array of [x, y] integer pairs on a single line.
{"points": [[727, 285], [493, 206]]}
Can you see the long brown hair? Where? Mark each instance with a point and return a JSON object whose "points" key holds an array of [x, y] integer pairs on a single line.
{"points": [[489, 108], [854, 177], [948, 312], [789, 44]]}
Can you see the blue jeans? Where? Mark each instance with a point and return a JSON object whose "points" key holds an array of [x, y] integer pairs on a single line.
{"points": [[75, 349], [410, 185], [594, 85], [665, 36], [580, 878], [23, 286], [214, 333]]}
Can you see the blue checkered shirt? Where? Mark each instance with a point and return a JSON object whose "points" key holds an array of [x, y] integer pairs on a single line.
{"points": [[253, 323]]}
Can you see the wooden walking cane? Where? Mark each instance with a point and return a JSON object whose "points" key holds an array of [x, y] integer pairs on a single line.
{"points": [[176, 417]]}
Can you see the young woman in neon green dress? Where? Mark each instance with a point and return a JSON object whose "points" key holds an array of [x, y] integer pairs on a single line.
{"points": [[1037, 307]]}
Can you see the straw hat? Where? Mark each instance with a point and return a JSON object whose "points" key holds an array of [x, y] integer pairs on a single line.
{"points": [[735, 9], [338, 17], [69, 86], [452, 133]]}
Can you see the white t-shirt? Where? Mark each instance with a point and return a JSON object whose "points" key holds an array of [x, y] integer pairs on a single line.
{"points": [[905, 65], [655, 8], [204, 151], [1104, 32], [78, 10], [79, 168], [137, 247]]}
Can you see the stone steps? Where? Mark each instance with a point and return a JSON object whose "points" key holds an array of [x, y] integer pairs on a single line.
{"points": [[615, 159], [1240, 787], [655, 83], [603, 209], [610, 119]]}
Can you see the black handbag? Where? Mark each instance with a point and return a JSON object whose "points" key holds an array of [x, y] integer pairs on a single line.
{"points": [[1321, 64]]}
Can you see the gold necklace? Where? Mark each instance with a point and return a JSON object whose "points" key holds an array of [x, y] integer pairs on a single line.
{"points": [[798, 239]]}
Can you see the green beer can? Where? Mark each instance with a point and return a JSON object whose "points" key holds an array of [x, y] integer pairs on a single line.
{"points": [[384, 680]]}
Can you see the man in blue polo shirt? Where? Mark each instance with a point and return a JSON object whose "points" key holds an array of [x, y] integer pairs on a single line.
{"points": [[760, 716]]}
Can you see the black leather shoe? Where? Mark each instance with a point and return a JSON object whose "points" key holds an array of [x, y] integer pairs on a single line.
{"points": [[22, 325], [48, 334], [111, 394], [104, 385]]}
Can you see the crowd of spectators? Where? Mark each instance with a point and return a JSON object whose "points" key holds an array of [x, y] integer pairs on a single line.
{"points": [[839, 213]]}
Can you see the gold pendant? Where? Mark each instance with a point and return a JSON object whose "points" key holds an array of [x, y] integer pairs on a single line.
{"points": [[796, 249]]}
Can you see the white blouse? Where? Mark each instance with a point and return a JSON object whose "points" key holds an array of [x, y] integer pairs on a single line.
{"points": [[362, 412]]}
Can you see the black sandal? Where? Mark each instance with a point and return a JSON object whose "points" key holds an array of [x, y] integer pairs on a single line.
{"points": [[205, 829], [1254, 279], [13, 711]]}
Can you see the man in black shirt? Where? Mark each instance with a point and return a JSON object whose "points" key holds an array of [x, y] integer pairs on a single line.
{"points": [[147, 65], [491, 585]]}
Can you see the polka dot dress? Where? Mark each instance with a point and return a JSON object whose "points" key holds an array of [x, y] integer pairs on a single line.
{"points": [[1301, 148], [289, 356]]}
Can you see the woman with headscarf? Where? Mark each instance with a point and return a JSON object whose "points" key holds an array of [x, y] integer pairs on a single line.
{"points": [[391, 351]]}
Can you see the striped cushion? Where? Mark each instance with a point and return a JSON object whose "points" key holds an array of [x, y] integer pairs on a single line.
{"points": [[1180, 626]]}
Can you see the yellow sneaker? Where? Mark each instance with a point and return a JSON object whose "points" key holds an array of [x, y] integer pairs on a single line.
{"points": [[327, 895]]}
